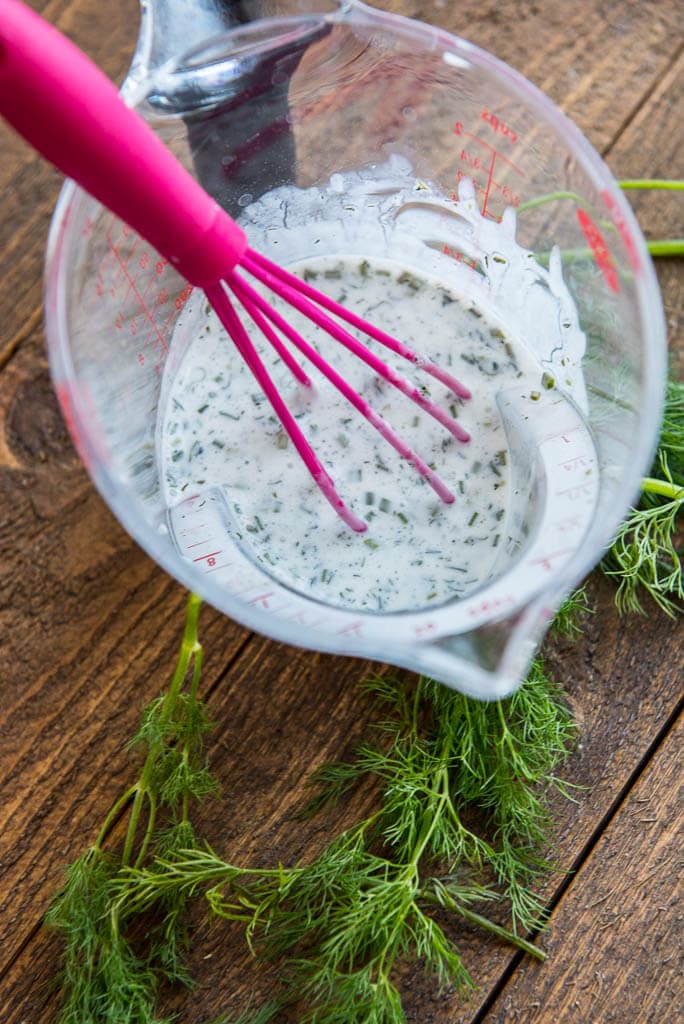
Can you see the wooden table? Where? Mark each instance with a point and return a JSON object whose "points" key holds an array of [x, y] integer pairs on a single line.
{"points": [[90, 625]]}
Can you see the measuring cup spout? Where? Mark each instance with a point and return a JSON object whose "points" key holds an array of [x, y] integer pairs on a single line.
{"points": [[488, 662]]}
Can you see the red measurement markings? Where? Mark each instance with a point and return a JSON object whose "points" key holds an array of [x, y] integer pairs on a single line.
{"points": [[209, 558], [564, 435], [597, 244], [499, 127], [577, 491], [544, 561], [150, 338], [486, 163], [509, 197], [576, 462], [158, 269], [178, 303], [305, 618], [120, 264], [215, 567], [354, 628], [428, 628], [624, 232], [132, 287], [570, 524], [128, 271], [496, 604], [131, 269]]}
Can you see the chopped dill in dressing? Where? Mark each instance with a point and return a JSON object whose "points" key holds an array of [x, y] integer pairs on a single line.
{"points": [[218, 430]]}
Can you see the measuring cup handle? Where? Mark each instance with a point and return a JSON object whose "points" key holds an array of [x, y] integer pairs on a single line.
{"points": [[68, 110]]}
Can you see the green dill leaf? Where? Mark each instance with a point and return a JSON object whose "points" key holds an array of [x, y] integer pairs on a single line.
{"points": [[263, 1015], [103, 980], [672, 432], [644, 558], [332, 779], [568, 619], [106, 981]]}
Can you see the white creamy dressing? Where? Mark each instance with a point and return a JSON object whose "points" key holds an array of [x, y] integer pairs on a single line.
{"points": [[218, 430]]}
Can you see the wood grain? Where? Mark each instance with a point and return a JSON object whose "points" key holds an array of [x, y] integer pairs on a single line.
{"points": [[617, 916], [90, 625]]}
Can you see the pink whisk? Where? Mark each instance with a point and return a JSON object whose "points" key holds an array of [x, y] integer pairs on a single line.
{"points": [[62, 104]]}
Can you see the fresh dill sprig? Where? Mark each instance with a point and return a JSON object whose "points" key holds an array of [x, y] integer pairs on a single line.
{"points": [[671, 442], [104, 980], [568, 619], [646, 558], [344, 921]]}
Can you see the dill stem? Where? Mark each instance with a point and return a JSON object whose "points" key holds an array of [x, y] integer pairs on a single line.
{"points": [[654, 183], [185, 806], [194, 684], [484, 922], [666, 247], [549, 198], [149, 831], [506, 734], [189, 649], [436, 813], [627, 185], [135, 815], [113, 813], [417, 697], [411, 872], [651, 485]]}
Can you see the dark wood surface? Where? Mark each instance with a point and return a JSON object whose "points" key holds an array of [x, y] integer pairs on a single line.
{"points": [[90, 625]]}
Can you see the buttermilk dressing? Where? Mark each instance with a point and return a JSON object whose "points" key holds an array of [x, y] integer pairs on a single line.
{"points": [[217, 430]]}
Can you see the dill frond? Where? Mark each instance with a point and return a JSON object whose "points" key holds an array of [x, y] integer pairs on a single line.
{"points": [[332, 781], [346, 920], [567, 622], [263, 1015], [645, 558], [104, 980], [672, 430]]}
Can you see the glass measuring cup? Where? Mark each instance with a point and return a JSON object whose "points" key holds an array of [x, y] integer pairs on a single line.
{"points": [[398, 141]]}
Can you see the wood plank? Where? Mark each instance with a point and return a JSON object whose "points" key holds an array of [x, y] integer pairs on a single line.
{"points": [[596, 61], [654, 139], [93, 625], [621, 917]]}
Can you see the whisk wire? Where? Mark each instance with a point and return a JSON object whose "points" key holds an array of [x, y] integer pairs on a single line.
{"points": [[252, 259], [231, 321], [253, 303], [291, 293]]}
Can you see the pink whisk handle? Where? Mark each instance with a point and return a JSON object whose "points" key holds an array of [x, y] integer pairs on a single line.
{"points": [[68, 110]]}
